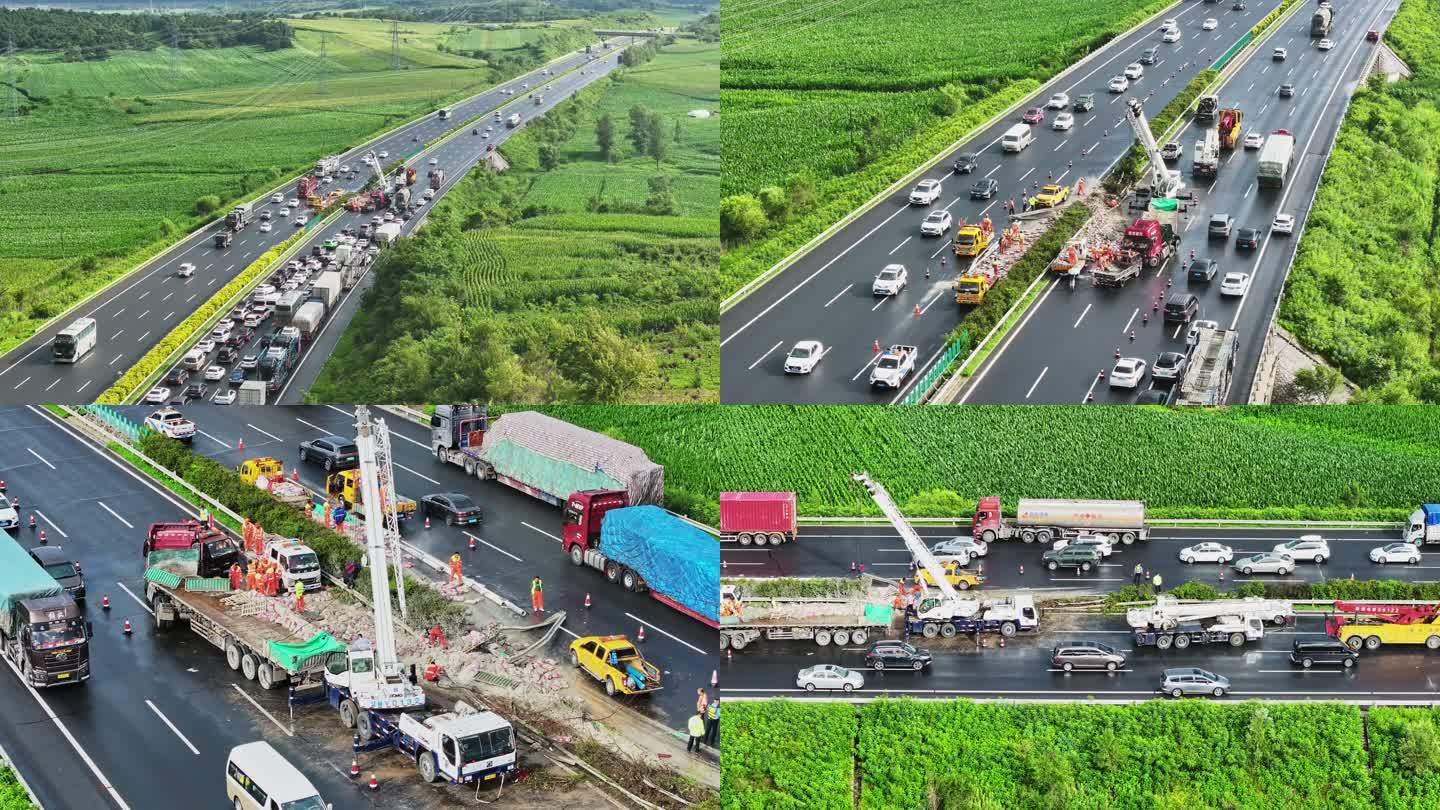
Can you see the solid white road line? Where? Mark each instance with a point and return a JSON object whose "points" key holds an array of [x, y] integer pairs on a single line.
{"points": [[41, 458], [261, 709], [777, 345], [542, 531], [182, 737], [211, 438], [114, 514], [492, 545], [416, 474], [138, 600]]}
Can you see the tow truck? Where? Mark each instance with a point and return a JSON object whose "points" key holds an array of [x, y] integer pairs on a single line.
{"points": [[346, 486], [616, 663], [971, 240], [1050, 196], [1373, 624], [268, 473], [893, 366]]}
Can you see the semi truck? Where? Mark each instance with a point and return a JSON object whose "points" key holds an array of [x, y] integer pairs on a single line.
{"points": [[307, 319], [41, 629], [645, 549], [327, 166], [1149, 241], [1207, 155], [1275, 158], [327, 288], [842, 622], [758, 518], [1424, 525], [1040, 520], [240, 216], [1320, 22], [306, 187], [542, 456]]}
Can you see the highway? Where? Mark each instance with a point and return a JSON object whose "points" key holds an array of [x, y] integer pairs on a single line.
{"points": [[1021, 671], [1062, 344], [825, 295], [830, 550], [138, 311], [518, 538]]}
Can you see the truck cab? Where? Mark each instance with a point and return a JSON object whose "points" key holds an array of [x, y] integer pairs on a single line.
{"points": [[1424, 525], [48, 640], [346, 486], [457, 432], [252, 468], [461, 746], [297, 562], [217, 551], [355, 685], [584, 512]]}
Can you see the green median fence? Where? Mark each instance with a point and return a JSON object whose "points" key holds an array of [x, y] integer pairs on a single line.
{"points": [[118, 421], [922, 389], [1234, 49]]}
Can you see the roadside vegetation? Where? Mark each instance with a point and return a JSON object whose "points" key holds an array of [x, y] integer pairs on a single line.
{"points": [[1364, 290], [12, 794], [1279, 462], [587, 271], [1156, 754], [813, 130], [111, 160]]}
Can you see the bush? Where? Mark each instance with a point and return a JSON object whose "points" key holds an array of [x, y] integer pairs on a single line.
{"points": [[1034, 262]]}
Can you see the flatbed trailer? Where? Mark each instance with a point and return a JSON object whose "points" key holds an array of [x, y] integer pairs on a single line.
{"points": [[1190, 634]]}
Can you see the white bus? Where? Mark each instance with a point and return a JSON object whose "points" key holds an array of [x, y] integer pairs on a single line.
{"points": [[75, 340]]}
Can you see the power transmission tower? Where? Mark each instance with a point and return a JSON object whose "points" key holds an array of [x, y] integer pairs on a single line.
{"points": [[394, 44], [11, 79], [323, 64]]}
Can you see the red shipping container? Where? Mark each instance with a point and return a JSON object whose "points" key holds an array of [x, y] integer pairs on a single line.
{"points": [[757, 517]]}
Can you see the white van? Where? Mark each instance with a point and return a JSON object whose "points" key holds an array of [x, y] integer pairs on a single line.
{"points": [[1017, 138], [258, 778], [193, 360]]}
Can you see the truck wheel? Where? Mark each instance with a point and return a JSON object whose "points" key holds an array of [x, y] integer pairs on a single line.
{"points": [[1237, 639], [439, 454], [425, 766], [1372, 643], [576, 555], [365, 727], [610, 688], [1028, 535], [1432, 643], [745, 538], [469, 468], [612, 571], [348, 713], [840, 638], [232, 654], [248, 666], [265, 676], [1354, 642], [1182, 642], [1128, 538], [947, 630], [1152, 261], [822, 638], [988, 536], [1164, 642], [1044, 536], [776, 538], [724, 642], [738, 643], [930, 631], [632, 581], [1008, 629], [859, 637]]}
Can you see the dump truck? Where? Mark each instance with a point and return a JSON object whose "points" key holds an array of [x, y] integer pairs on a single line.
{"points": [[308, 318], [345, 485], [240, 216], [1229, 127], [1320, 22], [1206, 107], [645, 549], [970, 240], [758, 518], [220, 552], [1149, 241], [1424, 525], [1042, 521], [542, 456], [842, 622], [615, 662], [1275, 158], [42, 632], [1371, 625], [223, 239], [1207, 155], [263, 652]]}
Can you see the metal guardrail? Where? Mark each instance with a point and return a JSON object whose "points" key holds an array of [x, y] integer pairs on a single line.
{"points": [[932, 376]]}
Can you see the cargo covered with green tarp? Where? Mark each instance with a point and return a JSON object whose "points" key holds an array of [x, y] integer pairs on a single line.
{"points": [[291, 657], [545, 456]]}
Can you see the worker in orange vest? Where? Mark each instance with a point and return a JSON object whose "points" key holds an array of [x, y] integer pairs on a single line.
{"points": [[272, 578], [235, 576], [252, 578], [432, 671], [537, 595], [455, 577]]}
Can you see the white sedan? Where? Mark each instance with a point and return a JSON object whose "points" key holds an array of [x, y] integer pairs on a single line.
{"points": [[294, 203], [277, 197], [1283, 223], [1134, 70], [1119, 84], [1207, 552], [1058, 101], [215, 373], [1100, 543], [1171, 35], [1210, 24], [828, 676], [1254, 140], [284, 212], [803, 358], [207, 345], [1064, 121], [965, 547], [1396, 553], [224, 397], [1234, 283], [1325, 44], [265, 227], [1128, 372], [186, 270], [157, 396], [936, 223]]}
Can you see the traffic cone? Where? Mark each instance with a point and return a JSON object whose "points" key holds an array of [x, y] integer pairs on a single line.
{"points": [[427, 521], [240, 444], [1089, 396], [876, 347], [43, 539], [105, 602], [1117, 352], [354, 769], [374, 783], [1132, 335], [917, 310], [587, 600], [473, 545], [126, 629], [1101, 375], [641, 635], [1002, 641], [714, 678], [32, 521], [294, 474], [729, 654], [1022, 569]]}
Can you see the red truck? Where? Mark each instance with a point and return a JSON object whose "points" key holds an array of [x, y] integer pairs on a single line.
{"points": [[757, 518], [306, 187], [645, 549], [219, 551]]}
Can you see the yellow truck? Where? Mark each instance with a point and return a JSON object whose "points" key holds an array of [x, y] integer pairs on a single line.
{"points": [[268, 473], [345, 485], [971, 288], [615, 662], [970, 240], [1372, 625], [252, 468], [1050, 196], [961, 578]]}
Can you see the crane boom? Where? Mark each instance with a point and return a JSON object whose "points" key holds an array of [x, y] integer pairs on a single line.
{"points": [[917, 548], [375, 168], [1162, 182], [376, 544]]}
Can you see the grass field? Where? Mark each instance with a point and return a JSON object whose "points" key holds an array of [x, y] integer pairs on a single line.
{"points": [[522, 289], [114, 154], [1265, 462]]}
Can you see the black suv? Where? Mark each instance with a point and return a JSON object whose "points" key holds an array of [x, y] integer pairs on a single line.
{"points": [[331, 452], [61, 569], [226, 355], [1072, 655], [966, 162], [1247, 238], [1202, 269], [1082, 557], [1181, 307], [897, 655], [1309, 653]]}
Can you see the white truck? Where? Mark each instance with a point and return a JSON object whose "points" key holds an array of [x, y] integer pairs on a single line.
{"points": [[1275, 158], [893, 366], [387, 233], [1171, 623], [327, 288], [308, 317], [1207, 155], [327, 166], [513, 121], [252, 392], [838, 621], [297, 563], [172, 423], [937, 616]]}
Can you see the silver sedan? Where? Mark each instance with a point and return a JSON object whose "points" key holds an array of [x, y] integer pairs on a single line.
{"points": [[1264, 563], [828, 676]]}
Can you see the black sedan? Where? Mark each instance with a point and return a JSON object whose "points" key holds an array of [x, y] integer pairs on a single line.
{"points": [[1247, 238], [196, 390], [457, 509], [984, 189], [966, 162]]}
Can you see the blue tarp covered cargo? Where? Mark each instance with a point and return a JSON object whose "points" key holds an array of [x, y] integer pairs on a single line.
{"points": [[21, 578], [675, 558]]}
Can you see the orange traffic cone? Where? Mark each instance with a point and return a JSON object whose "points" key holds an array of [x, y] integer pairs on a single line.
{"points": [[105, 601], [714, 678], [1002, 641], [876, 347], [729, 654], [43, 539], [354, 769], [240, 444], [32, 521], [473, 545], [427, 521], [587, 600], [294, 474], [126, 629], [917, 310], [374, 783], [641, 634]]}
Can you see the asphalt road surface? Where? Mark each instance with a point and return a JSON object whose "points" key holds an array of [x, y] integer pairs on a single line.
{"points": [[830, 550], [456, 157], [518, 538], [160, 714], [136, 313], [1062, 344], [1021, 671]]}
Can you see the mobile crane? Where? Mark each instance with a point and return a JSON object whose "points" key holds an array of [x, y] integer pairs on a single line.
{"points": [[948, 613], [1163, 183]]}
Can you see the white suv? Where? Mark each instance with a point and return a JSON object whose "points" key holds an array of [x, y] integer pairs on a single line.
{"points": [[1307, 547], [925, 193]]}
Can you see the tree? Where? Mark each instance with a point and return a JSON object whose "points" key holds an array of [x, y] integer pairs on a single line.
{"points": [[207, 204], [741, 218], [776, 204], [661, 201], [1316, 384], [549, 155], [677, 131], [604, 366], [640, 128], [605, 137], [801, 188], [659, 147]]}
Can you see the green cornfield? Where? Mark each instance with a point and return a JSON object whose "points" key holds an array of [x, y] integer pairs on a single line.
{"points": [[780, 755]]}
